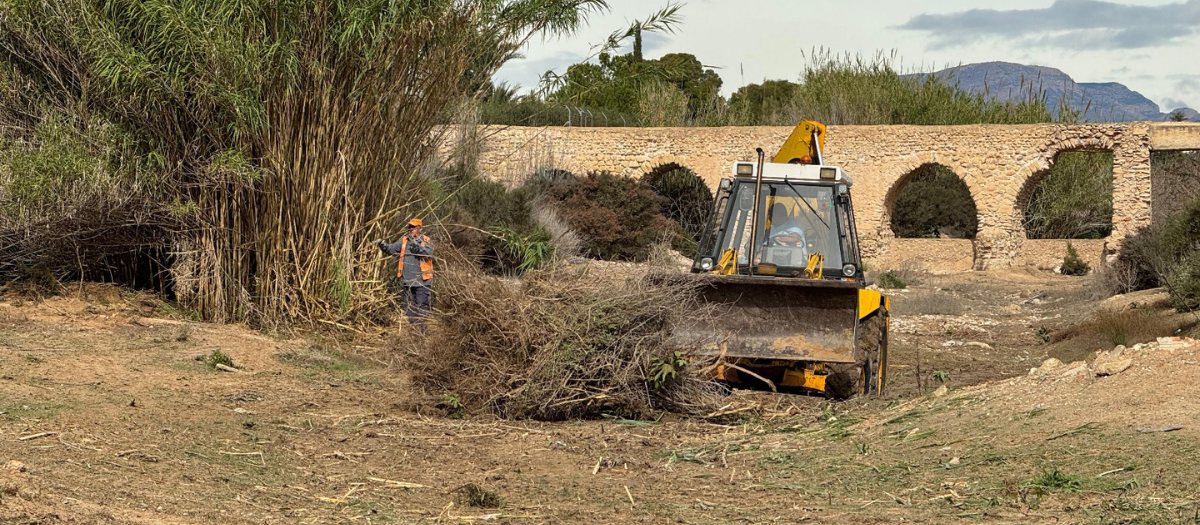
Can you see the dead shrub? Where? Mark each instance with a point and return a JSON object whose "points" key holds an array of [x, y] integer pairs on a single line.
{"points": [[1109, 328], [556, 346], [907, 273], [566, 241], [1115, 278]]}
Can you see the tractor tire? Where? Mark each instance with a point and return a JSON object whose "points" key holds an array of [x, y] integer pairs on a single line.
{"points": [[862, 377]]}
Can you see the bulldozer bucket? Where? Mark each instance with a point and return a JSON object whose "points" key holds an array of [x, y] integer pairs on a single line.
{"points": [[771, 318]]}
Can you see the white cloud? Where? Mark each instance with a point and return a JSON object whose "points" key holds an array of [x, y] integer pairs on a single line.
{"points": [[1066, 24]]}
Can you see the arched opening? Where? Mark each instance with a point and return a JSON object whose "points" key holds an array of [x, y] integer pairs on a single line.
{"points": [[686, 197], [1071, 200], [932, 202], [1174, 182]]}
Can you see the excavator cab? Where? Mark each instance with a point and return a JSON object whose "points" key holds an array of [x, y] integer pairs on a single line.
{"points": [[780, 261], [800, 216]]}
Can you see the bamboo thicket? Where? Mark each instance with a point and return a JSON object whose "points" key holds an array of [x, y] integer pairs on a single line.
{"points": [[274, 140]]}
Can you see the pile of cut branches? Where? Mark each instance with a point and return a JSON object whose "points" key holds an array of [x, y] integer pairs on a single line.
{"points": [[560, 345]]}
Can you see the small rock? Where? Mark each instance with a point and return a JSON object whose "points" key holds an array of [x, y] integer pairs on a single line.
{"points": [[1113, 367], [1047, 366], [15, 466], [1076, 368], [1051, 364], [1105, 357], [941, 391], [955, 461], [984, 346], [1115, 353]]}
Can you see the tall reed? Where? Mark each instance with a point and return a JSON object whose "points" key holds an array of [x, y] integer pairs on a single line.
{"points": [[290, 134]]}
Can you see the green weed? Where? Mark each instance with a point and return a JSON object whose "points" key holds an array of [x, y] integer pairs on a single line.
{"points": [[1031, 414], [665, 371], [911, 415], [1055, 481], [916, 435], [890, 280], [1086, 428], [217, 357]]}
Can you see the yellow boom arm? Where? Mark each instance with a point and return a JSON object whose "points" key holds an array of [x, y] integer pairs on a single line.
{"points": [[800, 143]]}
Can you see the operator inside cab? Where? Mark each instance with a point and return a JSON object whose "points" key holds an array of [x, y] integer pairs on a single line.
{"points": [[785, 230]]}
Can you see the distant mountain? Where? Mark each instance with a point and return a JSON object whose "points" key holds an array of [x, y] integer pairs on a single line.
{"points": [[1109, 101]]}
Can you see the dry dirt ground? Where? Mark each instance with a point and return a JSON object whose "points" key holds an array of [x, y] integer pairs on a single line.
{"points": [[107, 417]]}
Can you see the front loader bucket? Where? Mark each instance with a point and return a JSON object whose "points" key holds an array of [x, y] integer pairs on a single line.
{"points": [[776, 318]]}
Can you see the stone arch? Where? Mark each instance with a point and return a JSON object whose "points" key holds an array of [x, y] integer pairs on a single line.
{"points": [[1034, 173], [910, 171], [661, 162]]}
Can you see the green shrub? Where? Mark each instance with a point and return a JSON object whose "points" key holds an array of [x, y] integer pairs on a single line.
{"points": [[1073, 265], [494, 225], [617, 217], [1167, 254], [890, 279], [472, 495], [1074, 200], [532, 250]]}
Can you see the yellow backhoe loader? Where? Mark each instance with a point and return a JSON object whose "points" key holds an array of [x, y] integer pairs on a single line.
{"points": [[780, 261]]}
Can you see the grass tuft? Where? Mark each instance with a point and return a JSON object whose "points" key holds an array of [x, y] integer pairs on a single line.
{"points": [[891, 280], [1055, 481], [217, 357]]}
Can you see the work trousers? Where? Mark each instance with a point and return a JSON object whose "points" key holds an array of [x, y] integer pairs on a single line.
{"points": [[416, 305]]}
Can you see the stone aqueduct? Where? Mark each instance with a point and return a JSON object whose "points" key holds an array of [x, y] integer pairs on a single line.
{"points": [[1000, 165]]}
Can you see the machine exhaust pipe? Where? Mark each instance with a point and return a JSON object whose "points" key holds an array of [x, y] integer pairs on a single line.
{"points": [[750, 265]]}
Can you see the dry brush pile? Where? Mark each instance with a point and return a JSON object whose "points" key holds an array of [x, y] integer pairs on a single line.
{"points": [[561, 344]]}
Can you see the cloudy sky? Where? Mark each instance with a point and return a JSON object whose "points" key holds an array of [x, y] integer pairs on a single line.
{"points": [[1152, 46]]}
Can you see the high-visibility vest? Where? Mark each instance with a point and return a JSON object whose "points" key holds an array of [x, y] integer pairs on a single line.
{"points": [[426, 262]]}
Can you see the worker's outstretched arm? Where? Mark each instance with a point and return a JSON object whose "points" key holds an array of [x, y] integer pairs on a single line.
{"points": [[391, 249]]}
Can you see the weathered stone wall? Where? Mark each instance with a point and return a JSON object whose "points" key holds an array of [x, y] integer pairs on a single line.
{"points": [[932, 255], [1000, 165]]}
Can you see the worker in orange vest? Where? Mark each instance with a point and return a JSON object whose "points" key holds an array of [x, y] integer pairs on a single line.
{"points": [[415, 270]]}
